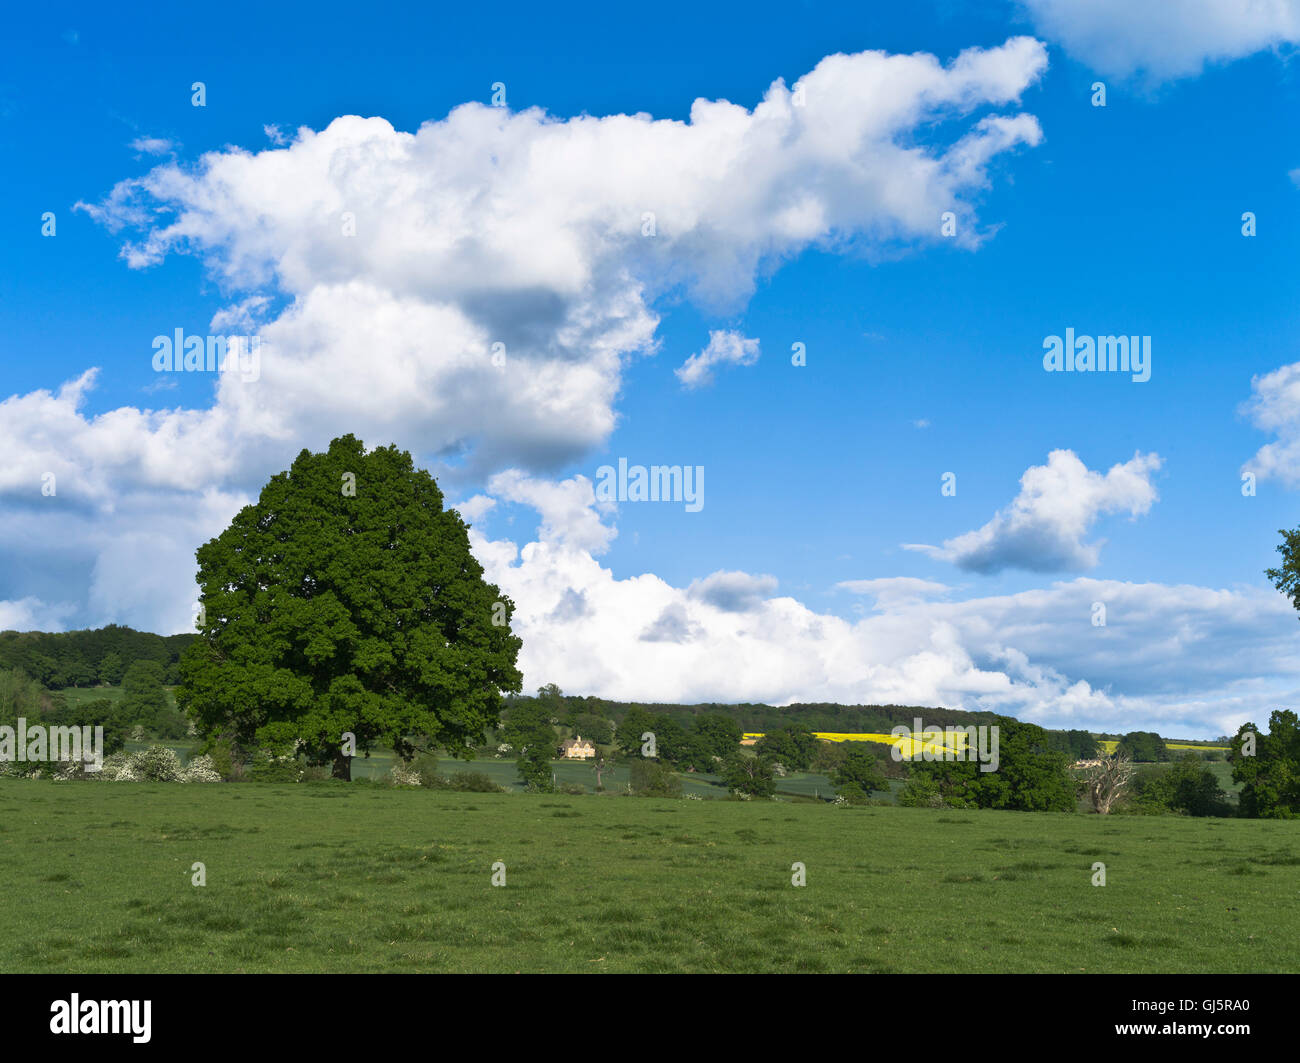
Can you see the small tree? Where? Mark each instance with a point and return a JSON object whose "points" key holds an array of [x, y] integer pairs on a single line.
{"points": [[535, 759], [601, 765], [859, 768], [749, 775], [653, 779]]}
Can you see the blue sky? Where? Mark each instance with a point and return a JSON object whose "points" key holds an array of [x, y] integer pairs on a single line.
{"points": [[924, 353]]}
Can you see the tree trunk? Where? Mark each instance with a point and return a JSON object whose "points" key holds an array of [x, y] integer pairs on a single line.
{"points": [[342, 766]]}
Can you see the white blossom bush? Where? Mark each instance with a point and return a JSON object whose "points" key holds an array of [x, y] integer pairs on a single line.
{"points": [[113, 765], [155, 764], [125, 772], [403, 775], [778, 769], [201, 769]]}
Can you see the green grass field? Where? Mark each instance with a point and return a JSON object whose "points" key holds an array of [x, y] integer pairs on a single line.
{"points": [[76, 696], [331, 877]]}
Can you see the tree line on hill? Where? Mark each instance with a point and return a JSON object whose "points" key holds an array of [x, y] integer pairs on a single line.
{"points": [[811, 716], [58, 660]]}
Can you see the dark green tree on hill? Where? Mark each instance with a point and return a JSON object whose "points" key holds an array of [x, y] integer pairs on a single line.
{"points": [[346, 599], [1143, 747], [790, 746], [1030, 776], [859, 772], [1268, 767], [628, 736]]}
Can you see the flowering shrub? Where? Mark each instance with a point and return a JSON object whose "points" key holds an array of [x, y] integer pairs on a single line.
{"points": [[156, 764], [113, 764], [201, 769]]}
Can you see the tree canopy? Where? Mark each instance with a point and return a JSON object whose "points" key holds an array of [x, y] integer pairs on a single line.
{"points": [[1143, 746], [346, 599], [1030, 776], [1268, 767]]}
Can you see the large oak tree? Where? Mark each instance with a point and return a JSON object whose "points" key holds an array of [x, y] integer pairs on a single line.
{"points": [[346, 599]]}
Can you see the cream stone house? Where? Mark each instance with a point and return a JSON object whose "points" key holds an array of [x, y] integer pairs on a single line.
{"points": [[577, 749]]}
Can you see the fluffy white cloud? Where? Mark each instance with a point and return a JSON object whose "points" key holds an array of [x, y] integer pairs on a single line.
{"points": [[571, 516], [1043, 528], [473, 290], [725, 347], [1036, 654], [1274, 406], [521, 230], [1166, 38]]}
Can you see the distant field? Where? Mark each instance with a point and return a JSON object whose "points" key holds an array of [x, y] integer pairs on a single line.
{"points": [[338, 877], [1110, 745], [910, 745], [80, 695]]}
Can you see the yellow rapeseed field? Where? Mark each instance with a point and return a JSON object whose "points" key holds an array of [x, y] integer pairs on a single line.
{"points": [[909, 746]]}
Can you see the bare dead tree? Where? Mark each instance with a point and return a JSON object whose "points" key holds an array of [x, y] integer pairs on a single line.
{"points": [[1109, 781]]}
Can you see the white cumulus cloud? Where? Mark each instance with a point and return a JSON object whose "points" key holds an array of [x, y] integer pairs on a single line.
{"points": [[1274, 406], [1035, 654], [1044, 527], [473, 290], [1164, 39], [724, 347]]}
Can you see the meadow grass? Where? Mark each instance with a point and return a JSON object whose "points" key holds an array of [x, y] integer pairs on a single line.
{"points": [[96, 877], [78, 696]]}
